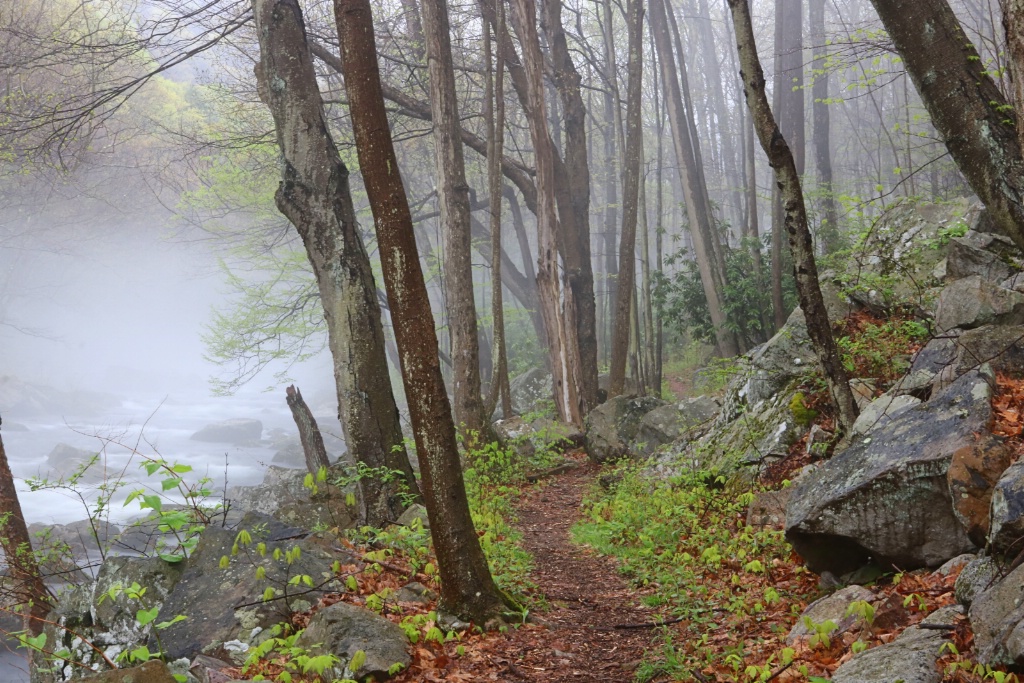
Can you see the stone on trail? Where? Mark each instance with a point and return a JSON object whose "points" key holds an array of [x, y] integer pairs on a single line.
{"points": [[515, 433], [613, 426], [667, 424], [887, 497]]}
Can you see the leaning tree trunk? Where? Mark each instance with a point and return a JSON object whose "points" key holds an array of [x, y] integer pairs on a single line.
{"points": [[314, 194], [630, 197], [453, 193], [698, 213], [28, 589], [309, 433], [966, 107], [467, 588], [801, 246]]}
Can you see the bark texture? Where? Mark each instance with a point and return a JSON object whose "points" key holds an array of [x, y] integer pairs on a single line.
{"points": [[309, 433], [801, 246], [631, 198], [23, 583], [965, 105], [453, 194], [1013, 26], [829, 226], [314, 195], [467, 588]]}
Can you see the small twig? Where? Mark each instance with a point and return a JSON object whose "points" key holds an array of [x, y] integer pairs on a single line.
{"points": [[937, 627], [701, 677], [779, 671], [650, 624], [537, 476]]}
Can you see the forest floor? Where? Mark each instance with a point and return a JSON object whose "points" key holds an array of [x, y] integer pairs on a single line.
{"points": [[575, 637]]}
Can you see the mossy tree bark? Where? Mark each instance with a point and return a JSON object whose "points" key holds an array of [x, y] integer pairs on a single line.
{"points": [[467, 588], [801, 246], [314, 195]]}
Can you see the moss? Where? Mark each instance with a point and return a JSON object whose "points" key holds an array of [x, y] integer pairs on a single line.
{"points": [[803, 415]]}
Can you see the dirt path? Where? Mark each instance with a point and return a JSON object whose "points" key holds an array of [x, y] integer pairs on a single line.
{"points": [[587, 596]]}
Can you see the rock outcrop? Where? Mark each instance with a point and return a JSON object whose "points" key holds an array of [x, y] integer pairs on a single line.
{"points": [[613, 426], [236, 431]]}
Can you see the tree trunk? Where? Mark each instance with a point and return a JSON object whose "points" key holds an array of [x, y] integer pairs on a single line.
{"points": [[630, 197], [1013, 26], [805, 269], [698, 214], [611, 133], [309, 433], [315, 197], [564, 359], [28, 588], [965, 105], [453, 193], [829, 227], [467, 588], [575, 233], [494, 114]]}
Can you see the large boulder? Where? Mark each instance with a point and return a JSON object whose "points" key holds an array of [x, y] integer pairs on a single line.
{"points": [[669, 423], [236, 431], [974, 301], [222, 604], [343, 629], [284, 496], [997, 619], [613, 426], [776, 363], [153, 671], [515, 434], [886, 496], [973, 473], [530, 391], [979, 253], [103, 614], [1007, 511], [911, 658], [882, 411]]}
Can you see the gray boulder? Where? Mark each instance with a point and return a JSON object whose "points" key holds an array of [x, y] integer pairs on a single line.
{"points": [[515, 434], [974, 301], [284, 496], [414, 512], [530, 390], [1006, 521], [974, 579], [64, 460], [153, 671], [669, 423], [221, 605], [911, 658], [629, 387], [780, 360], [886, 496], [1001, 346], [882, 411], [830, 608], [555, 435], [114, 617], [343, 629], [613, 426], [236, 431], [978, 253], [997, 618]]}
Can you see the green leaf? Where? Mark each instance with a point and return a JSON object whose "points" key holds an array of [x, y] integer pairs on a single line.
{"points": [[145, 616], [170, 483], [167, 624], [181, 469], [358, 659], [140, 654]]}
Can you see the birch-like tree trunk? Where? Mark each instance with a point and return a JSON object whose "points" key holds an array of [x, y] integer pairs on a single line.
{"points": [[631, 198], [453, 195], [801, 245], [314, 195], [467, 588]]}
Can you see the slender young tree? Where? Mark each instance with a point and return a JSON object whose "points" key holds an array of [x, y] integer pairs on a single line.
{"points": [[801, 245], [631, 198], [314, 195], [494, 114], [1013, 29], [829, 225], [467, 587], [453, 193]]}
